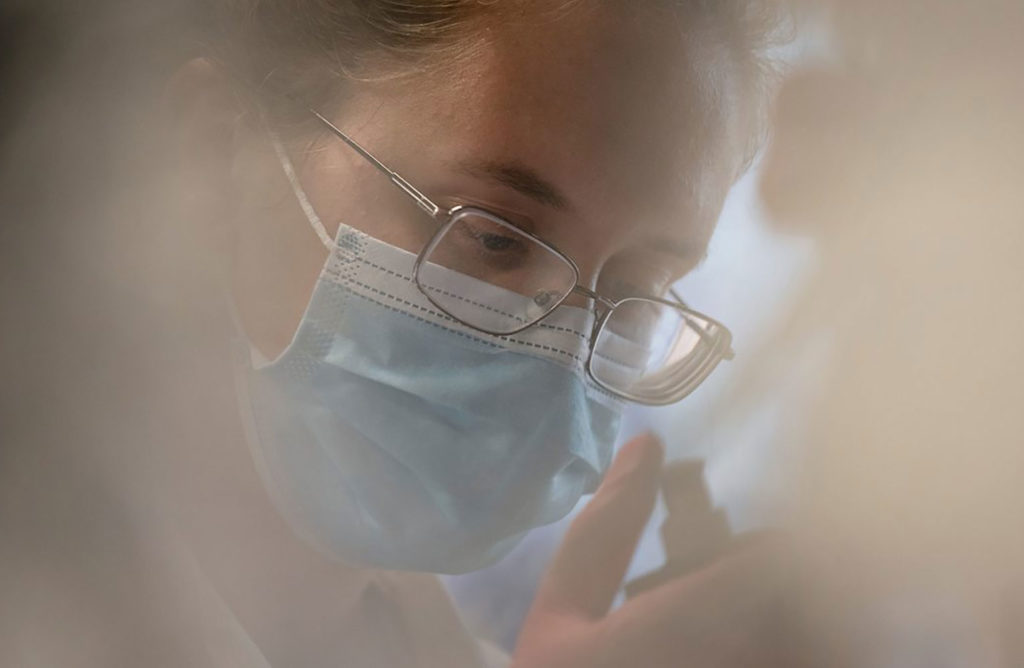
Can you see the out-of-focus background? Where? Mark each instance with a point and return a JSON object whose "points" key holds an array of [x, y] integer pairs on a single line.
{"points": [[869, 266]]}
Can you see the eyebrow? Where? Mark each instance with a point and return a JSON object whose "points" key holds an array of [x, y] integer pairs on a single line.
{"points": [[521, 178], [527, 181]]}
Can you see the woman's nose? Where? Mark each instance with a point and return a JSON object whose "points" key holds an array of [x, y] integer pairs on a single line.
{"points": [[591, 256]]}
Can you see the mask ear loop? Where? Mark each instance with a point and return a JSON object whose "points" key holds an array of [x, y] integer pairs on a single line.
{"points": [[300, 193], [244, 348]]}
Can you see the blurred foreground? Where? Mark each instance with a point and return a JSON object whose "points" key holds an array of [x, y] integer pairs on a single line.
{"points": [[897, 468]]}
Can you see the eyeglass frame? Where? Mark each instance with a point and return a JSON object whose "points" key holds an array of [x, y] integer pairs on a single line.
{"points": [[721, 344]]}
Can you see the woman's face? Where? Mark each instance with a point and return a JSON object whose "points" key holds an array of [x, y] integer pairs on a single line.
{"points": [[612, 134]]}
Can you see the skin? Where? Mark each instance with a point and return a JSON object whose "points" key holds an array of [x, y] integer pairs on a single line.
{"points": [[621, 128], [628, 119]]}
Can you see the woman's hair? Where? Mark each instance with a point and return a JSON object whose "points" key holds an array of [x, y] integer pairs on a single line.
{"points": [[305, 48]]}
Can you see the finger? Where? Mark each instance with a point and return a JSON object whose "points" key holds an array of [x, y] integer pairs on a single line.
{"points": [[588, 568]]}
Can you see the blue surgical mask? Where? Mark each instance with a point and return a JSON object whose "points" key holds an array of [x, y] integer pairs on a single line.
{"points": [[392, 436]]}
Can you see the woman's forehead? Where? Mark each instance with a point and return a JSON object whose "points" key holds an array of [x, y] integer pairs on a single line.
{"points": [[640, 93]]}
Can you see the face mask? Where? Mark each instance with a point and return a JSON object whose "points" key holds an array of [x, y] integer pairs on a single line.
{"points": [[391, 435]]}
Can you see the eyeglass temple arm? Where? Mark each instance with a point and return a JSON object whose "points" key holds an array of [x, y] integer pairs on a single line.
{"points": [[421, 200]]}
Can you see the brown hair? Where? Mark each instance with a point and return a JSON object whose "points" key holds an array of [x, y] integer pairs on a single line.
{"points": [[289, 45]]}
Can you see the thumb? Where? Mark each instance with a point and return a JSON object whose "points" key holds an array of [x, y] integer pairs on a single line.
{"points": [[589, 567]]}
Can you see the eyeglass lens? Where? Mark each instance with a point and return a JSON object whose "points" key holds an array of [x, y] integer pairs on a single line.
{"points": [[517, 279], [650, 351]]}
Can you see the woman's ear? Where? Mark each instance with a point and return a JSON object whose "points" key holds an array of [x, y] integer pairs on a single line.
{"points": [[203, 111]]}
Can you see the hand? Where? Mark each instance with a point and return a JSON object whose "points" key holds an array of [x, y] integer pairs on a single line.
{"points": [[718, 616]]}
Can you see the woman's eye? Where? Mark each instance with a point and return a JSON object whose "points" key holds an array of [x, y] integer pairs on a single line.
{"points": [[484, 247], [497, 242], [489, 237]]}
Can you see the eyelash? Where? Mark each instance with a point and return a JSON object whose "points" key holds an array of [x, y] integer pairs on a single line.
{"points": [[485, 237]]}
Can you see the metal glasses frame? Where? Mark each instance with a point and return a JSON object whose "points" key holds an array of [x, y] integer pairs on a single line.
{"points": [[720, 343]]}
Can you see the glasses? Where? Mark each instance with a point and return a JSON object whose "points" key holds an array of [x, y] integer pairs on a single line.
{"points": [[644, 349]]}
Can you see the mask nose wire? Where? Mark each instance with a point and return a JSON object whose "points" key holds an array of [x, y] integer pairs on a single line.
{"points": [[300, 193]]}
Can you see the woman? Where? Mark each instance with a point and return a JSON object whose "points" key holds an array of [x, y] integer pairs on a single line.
{"points": [[414, 261]]}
